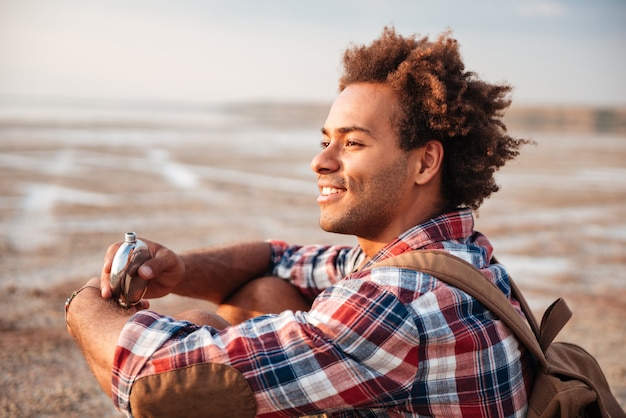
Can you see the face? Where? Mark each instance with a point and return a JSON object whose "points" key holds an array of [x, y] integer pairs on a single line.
{"points": [[364, 177]]}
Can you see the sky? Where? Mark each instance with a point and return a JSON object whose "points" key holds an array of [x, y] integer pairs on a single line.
{"points": [[205, 51]]}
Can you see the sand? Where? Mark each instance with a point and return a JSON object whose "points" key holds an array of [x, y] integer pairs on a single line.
{"points": [[70, 188]]}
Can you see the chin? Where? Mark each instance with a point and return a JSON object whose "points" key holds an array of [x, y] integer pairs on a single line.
{"points": [[335, 227]]}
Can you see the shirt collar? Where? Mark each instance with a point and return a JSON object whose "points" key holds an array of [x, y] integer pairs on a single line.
{"points": [[455, 225]]}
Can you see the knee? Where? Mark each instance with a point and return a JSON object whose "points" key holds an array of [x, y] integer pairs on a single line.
{"points": [[262, 296], [200, 317]]}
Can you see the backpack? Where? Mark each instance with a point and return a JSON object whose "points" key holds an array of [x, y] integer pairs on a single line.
{"points": [[568, 380]]}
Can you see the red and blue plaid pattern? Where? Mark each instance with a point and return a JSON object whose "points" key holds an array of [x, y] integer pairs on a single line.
{"points": [[385, 342]]}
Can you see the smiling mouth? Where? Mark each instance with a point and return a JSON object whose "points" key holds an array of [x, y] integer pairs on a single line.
{"points": [[327, 191]]}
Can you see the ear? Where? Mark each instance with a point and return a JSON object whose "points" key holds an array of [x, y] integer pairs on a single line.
{"points": [[429, 162]]}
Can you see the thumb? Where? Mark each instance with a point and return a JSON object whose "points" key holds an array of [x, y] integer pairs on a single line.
{"points": [[164, 261]]}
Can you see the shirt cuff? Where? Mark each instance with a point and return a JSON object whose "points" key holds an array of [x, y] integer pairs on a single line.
{"points": [[278, 248]]}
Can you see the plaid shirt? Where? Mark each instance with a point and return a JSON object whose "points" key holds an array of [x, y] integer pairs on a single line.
{"points": [[383, 342]]}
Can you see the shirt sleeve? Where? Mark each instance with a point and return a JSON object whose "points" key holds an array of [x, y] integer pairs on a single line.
{"points": [[312, 268], [335, 356]]}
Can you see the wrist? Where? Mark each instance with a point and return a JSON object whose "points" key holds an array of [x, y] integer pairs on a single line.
{"points": [[86, 307], [75, 293]]}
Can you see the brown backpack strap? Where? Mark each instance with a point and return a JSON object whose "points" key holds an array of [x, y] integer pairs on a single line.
{"points": [[554, 318], [466, 277], [517, 294], [553, 321]]}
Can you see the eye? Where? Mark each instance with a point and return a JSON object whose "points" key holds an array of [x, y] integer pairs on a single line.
{"points": [[352, 143], [324, 143]]}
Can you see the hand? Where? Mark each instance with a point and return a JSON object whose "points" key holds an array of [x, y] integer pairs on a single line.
{"points": [[164, 270]]}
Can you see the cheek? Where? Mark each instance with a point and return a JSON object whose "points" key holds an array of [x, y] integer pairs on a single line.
{"points": [[375, 171], [363, 167], [390, 180]]}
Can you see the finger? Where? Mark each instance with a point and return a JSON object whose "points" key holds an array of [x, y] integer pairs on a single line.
{"points": [[105, 290], [146, 272], [143, 304], [105, 275], [108, 258]]}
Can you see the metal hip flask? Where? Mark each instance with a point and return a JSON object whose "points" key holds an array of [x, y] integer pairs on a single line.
{"points": [[126, 284]]}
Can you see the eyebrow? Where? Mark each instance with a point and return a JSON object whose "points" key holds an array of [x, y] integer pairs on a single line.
{"points": [[348, 129]]}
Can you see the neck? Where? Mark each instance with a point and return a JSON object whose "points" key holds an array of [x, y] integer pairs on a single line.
{"points": [[421, 214]]}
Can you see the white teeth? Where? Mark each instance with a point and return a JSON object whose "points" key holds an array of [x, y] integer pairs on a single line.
{"points": [[329, 190]]}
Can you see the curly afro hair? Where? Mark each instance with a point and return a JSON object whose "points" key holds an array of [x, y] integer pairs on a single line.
{"points": [[441, 101]]}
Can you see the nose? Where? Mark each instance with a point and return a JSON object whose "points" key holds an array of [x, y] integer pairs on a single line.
{"points": [[325, 161]]}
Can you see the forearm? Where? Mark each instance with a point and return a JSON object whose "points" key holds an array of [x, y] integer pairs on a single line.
{"points": [[95, 324], [214, 274]]}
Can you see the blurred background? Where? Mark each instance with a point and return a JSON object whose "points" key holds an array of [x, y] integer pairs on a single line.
{"points": [[193, 124], [553, 52]]}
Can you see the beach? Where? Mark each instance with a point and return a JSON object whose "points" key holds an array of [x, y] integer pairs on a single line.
{"points": [[73, 181]]}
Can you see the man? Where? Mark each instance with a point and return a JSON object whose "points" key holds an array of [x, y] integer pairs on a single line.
{"points": [[409, 148]]}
